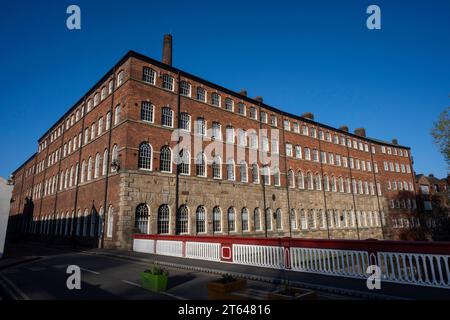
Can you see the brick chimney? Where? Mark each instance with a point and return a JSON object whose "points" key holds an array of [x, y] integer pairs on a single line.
{"points": [[259, 98], [243, 92], [343, 128], [308, 115], [167, 50], [394, 141], [360, 132]]}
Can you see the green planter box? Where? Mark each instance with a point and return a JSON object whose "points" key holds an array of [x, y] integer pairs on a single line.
{"points": [[154, 282]]}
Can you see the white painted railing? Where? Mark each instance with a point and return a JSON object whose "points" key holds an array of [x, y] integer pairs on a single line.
{"points": [[169, 248], [419, 269], [261, 256], [412, 263], [348, 263], [145, 246], [203, 250]]}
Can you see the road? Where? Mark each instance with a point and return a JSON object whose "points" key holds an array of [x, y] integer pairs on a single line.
{"points": [[102, 277]]}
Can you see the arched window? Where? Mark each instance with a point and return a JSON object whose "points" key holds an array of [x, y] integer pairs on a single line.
{"points": [[86, 221], [184, 162], [182, 219], [230, 169], [200, 164], [326, 183], [79, 223], [163, 219], [146, 111], [291, 178], [185, 121], [105, 162], [109, 229], [333, 184], [293, 218], [344, 221], [323, 219], [231, 219], [243, 171], [94, 221], [165, 159], [167, 117], [268, 217], [217, 168], [145, 156], [201, 94], [71, 176], [341, 184], [200, 219], [96, 166], [255, 173], [245, 224], [115, 153], [301, 180], [318, 182], [217, 220], [83, 171], [312, 222], [117, 115], [257, 219], [278, 222], [89, 170], [303, 220], [167, 82], [215, 99], [185, 88], [310, 181], [141, 218]]}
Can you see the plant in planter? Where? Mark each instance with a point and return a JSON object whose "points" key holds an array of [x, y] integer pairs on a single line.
{"points": [[291, 293], [155, 278], [221, 289]]}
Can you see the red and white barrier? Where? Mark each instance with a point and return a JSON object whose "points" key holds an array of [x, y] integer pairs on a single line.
{"points": [[414, 263]]}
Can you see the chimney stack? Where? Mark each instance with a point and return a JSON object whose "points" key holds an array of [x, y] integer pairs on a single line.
{"points": [[360, 132], [167, 50], [343, 128], [308, 115], [243, 92], [394, 141], [259, 99]]}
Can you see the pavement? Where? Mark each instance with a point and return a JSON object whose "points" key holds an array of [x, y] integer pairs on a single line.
{"points": [[34, 271]]}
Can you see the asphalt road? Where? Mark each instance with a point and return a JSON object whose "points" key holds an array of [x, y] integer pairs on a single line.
{"points": [[102, 277]]}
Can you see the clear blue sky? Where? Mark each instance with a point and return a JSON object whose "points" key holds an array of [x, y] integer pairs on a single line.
{"points": [[300, 56]]}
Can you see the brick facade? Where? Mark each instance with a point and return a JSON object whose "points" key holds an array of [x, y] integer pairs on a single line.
{"points": [[52, 177]]}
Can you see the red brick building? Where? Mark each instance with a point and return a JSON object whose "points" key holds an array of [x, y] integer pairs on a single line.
{"points": [[249, 169]]}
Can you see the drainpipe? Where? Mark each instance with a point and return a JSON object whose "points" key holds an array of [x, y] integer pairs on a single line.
{"points": [[353, 193], [377, 192], [111, 123], [323, 189]]}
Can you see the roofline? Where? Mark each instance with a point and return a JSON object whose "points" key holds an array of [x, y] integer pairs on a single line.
{"points": [[134, 54], [25, 163]]}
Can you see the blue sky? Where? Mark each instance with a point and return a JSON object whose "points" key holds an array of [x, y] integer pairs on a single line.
{"points": [[315, 56]]}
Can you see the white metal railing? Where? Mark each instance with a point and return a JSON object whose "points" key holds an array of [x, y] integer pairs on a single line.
{"points": [[145, 246], [260, 256], [424, 269], [169, 248], [203, 250], [414, 268], [348, 263]]}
